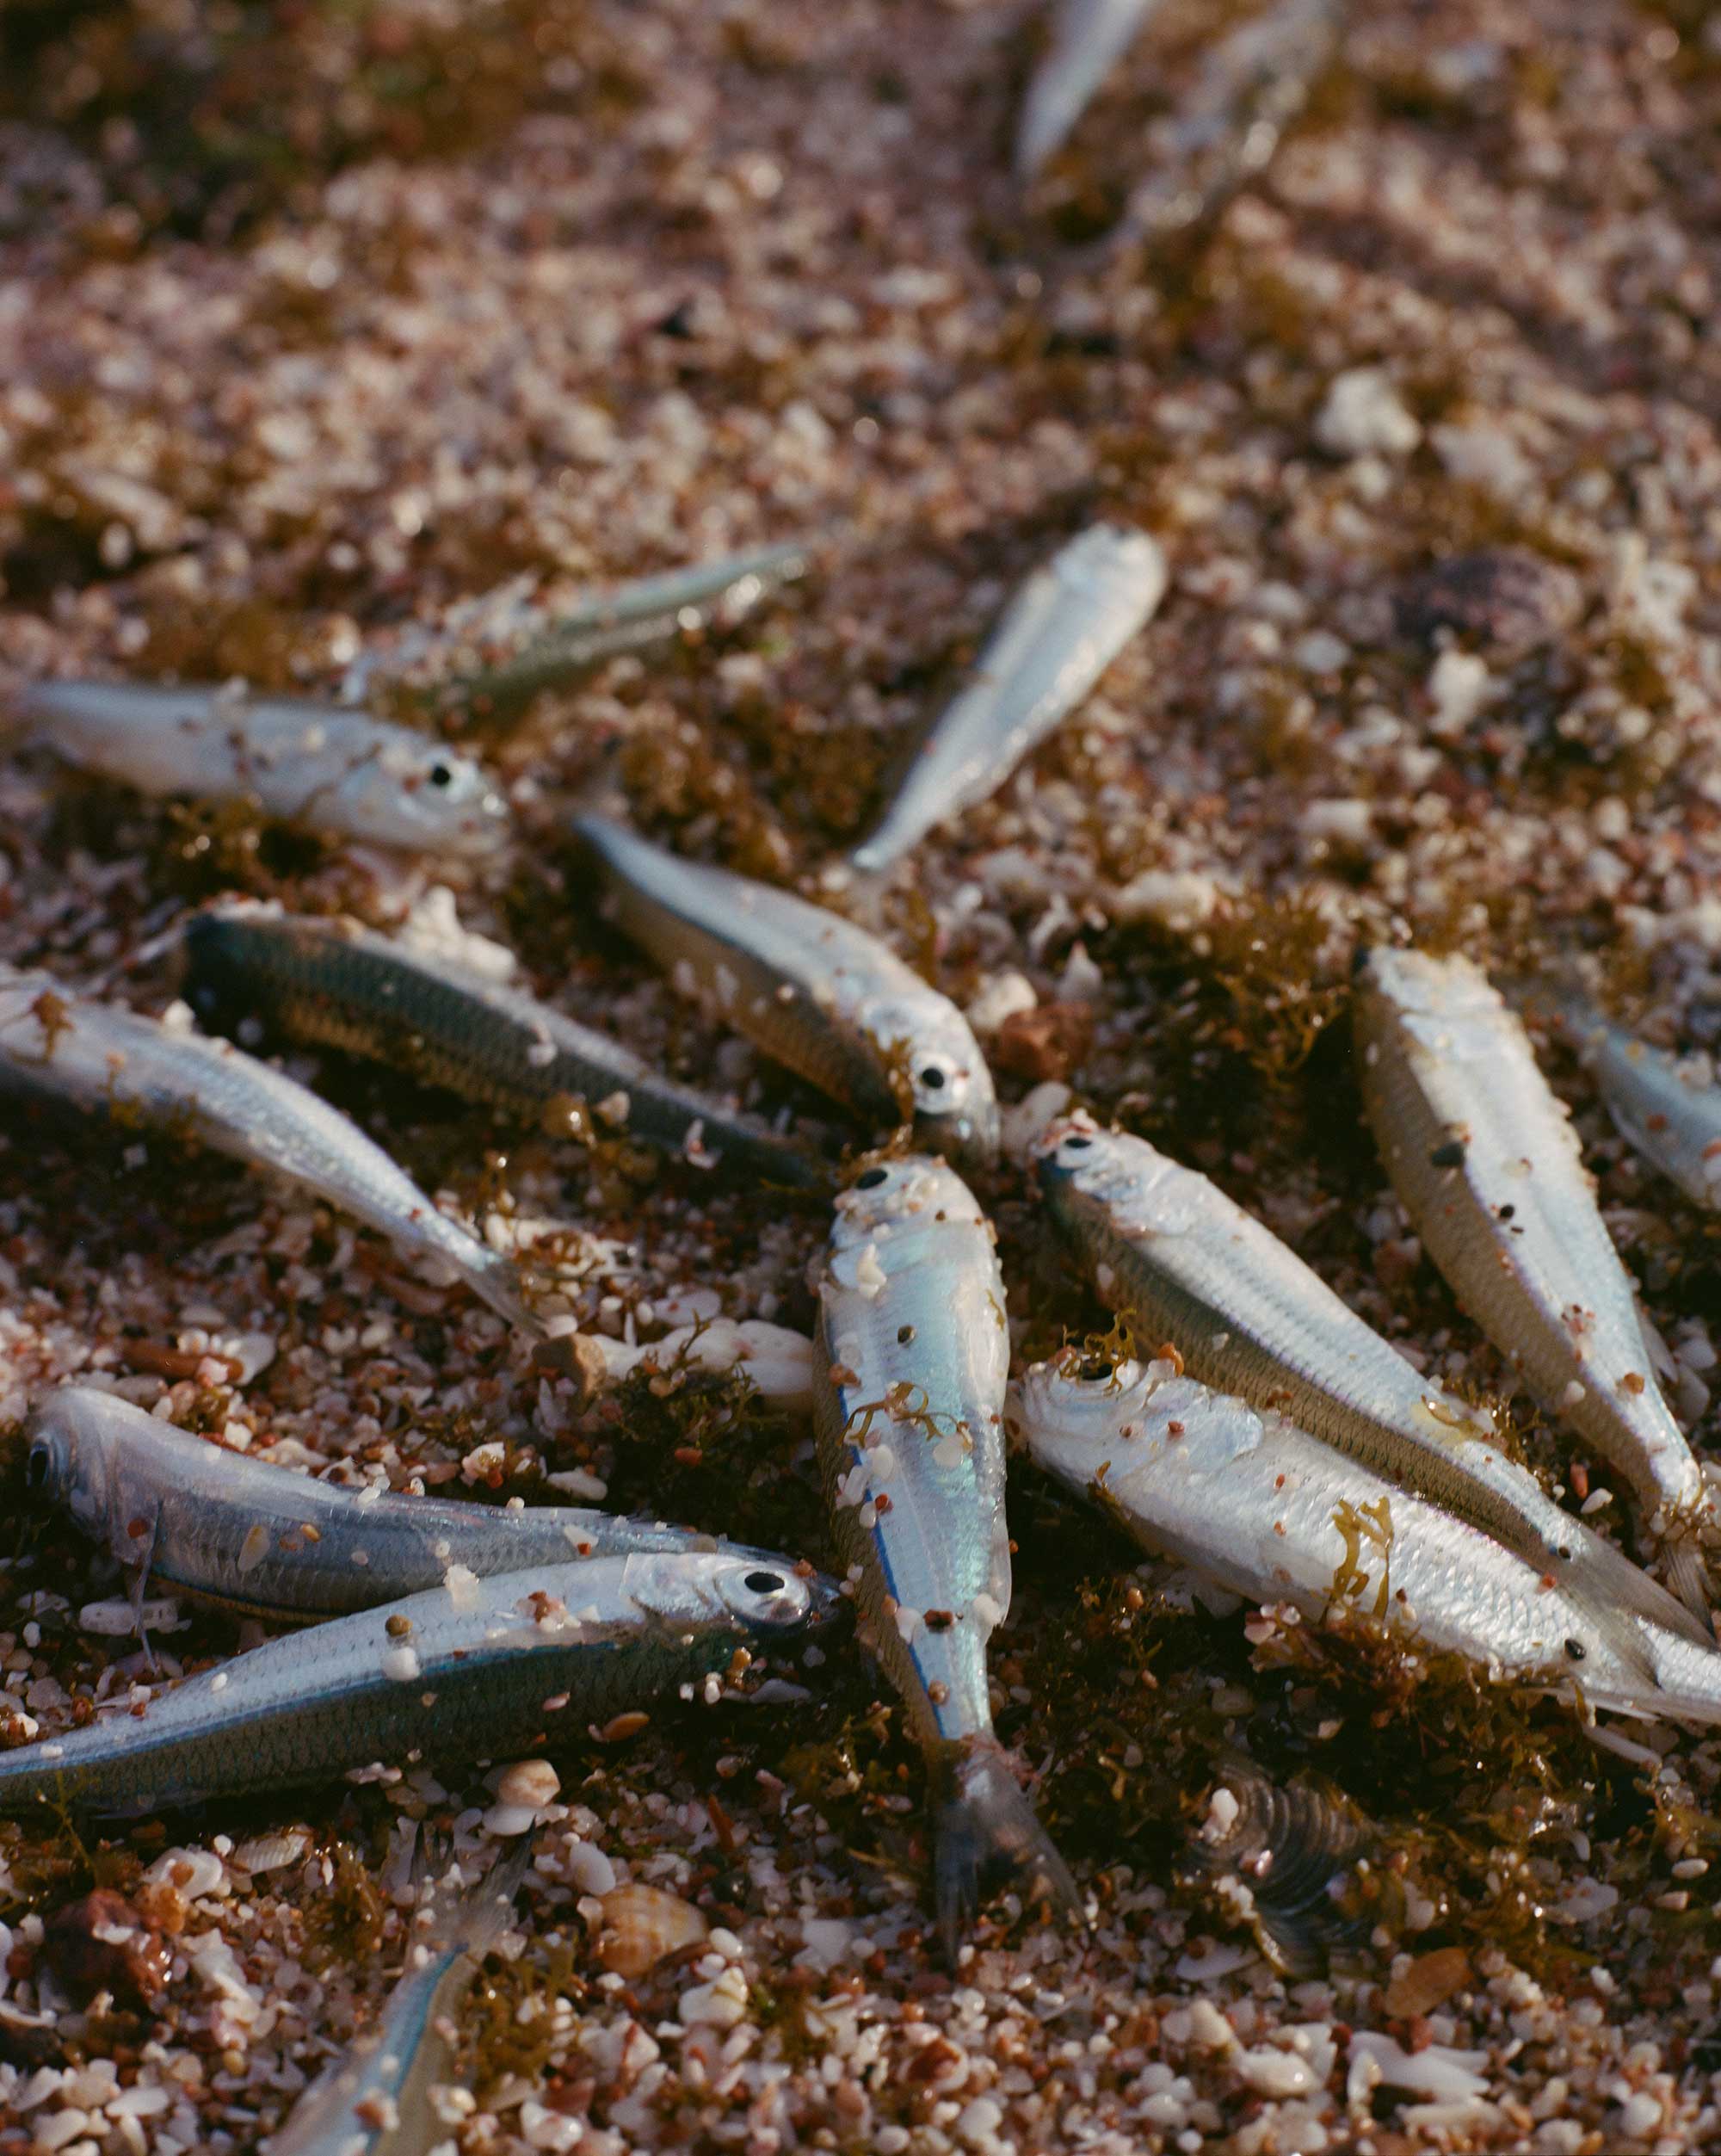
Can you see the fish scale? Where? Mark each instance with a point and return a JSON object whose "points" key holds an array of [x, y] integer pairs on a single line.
{"points": [[1190, 1267], [334, 985], [1483, 1154], [911, 1362], [106, 1060], [431, 1675]]}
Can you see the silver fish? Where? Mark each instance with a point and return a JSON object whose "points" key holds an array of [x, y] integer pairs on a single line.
{"points": [[334, 985], [910, 1364], [198, 1519], [1056, 637], [1483, 1154], [1169, 1249], [549, 1649], [374, 2100], [811, 989], [103, 1059], [316, 765], [1088, 38], [649, 610], [1252, 89], [1276, 1516], [1668, 1107]]}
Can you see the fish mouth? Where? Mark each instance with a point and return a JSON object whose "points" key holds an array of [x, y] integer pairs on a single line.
{"points": [[964, 1139]]}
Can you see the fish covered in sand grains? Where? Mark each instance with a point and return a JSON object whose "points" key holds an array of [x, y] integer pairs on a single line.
{"points": [[1188, 1266], [375, 2099], [1482, 1151], [808, 987], [200, 1520], [105, 1061], [911, 1364], [453, 1674]]}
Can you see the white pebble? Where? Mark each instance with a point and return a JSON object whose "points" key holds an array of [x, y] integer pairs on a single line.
{"points": [[401, 1664], [1363, 415], [532, 1782], [505, 1820]]}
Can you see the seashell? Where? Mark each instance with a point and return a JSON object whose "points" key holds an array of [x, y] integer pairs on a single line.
{"points": [[641, 1924], [531, 1782], [1302, 1851], [269, 1852]]}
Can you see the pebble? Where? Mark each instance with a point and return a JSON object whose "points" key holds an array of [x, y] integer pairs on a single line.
{"points": [[531, 1782], [1363, 414]]}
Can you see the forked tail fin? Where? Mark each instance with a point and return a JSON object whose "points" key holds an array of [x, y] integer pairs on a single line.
{"points": [[1688, 1574], [986, 1838]]}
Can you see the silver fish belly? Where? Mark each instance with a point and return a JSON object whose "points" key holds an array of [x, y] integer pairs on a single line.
{"points": [[374, 2100], [1056, 636], [911, 1363], [487, 1673], [812, 990], [104, 1060], [1482, 1151], [1273, 1515], [1169, 1249], [334, 985], [202, 1521], [317, 764], [1088, 38]]}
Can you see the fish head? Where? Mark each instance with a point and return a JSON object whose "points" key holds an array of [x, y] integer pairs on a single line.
{"points": [[425, 795], [769, 1594], [955, 1109], [754, 1591], [1081, 1394], [891, 1192], [63, 1461], [1108, 1178]]}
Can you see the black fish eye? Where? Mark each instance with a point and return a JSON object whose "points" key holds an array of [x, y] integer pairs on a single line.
{"points": [[763, 1583], [932, 1075], [872, 1179], [1076, 1145], [442, 774], [1576, 1649], [36, 1468]]}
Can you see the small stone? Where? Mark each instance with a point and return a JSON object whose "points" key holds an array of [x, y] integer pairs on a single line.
{"points": [[1429, 1982], [1364, 415], [532, 1782], [103, 1944]]}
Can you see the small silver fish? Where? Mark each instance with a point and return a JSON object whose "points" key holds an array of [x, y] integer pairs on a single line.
{"points": [[334, 985], [1482, 1151], [374, 2100], [316, 765], [1255, 1504], [555, 1647], [1668, 1107], [106, 1060], [198, 1519], [1088, 38], [811, 989], [910, 1364], [1056, 637], [1167, 1248], [649, 610]]}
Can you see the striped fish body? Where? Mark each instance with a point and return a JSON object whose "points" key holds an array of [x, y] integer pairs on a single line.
{"points": [[1668, 1107], [332, 984], [1483, 1154], [516, 1662], [224, 1528], [814, 992], [109, 1061]]}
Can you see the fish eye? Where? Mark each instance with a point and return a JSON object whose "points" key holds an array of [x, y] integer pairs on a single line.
{"points": [[442, 774], [872, 1179], [1076, 1145], [37, 1468], [934, 1076], [763, 1583]]}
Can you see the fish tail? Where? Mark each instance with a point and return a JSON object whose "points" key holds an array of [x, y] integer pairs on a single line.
{"points": [[1687, 1571], [986, 1837], [475, 1917]]}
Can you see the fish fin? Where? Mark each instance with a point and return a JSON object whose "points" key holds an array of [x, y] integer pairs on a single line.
{"points": [[475, 1917], [1687, 1569], [1611, 1584], [504, 1296], [138, 1591], [986, 1837]]}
